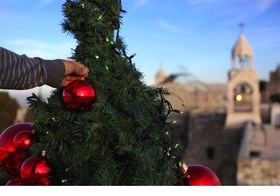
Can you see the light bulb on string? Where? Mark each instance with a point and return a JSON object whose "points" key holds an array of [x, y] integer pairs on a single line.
{"points": [[63, 181], [168, 151], [100, 17], [177, 146]]}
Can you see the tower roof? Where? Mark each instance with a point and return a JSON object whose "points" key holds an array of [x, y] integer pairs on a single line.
{"points": [[160, 76], [242, 48]]}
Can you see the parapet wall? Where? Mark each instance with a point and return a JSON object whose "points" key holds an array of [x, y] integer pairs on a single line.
{"points": [[258, 162], [258, 172]]}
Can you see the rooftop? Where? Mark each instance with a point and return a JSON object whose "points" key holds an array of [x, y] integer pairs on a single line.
{"points": [[260, 141]]}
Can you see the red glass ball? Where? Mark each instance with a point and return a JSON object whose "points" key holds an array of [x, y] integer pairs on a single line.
{"points": [[14, 143], [11, 161], [35, 171], [199, 175], [79, 95], [17, 137], [15, 182], [23, 140]]}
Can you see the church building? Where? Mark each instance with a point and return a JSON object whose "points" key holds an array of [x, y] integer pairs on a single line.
{"points": [[243, 96]]}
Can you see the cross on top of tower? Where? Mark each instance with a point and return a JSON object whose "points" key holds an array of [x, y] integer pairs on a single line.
{"points": [[242, 51], [241, 25]]}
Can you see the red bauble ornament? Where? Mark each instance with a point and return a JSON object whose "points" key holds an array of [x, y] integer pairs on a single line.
{"points": [[15, 182], [35, 171], [79, 95], [14, 142], [11, 161], [23, 140], [17, 137], [199, 175]]}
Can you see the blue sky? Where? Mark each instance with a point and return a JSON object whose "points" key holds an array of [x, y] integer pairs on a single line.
{"points": [[194, 36]]}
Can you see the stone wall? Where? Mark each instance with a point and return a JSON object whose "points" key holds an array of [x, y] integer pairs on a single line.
{"points": [[275, 114], [274, 79], [211, 145], [258, 160], [258, 172]]}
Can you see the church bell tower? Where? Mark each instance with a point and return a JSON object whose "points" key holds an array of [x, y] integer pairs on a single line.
{"points": [[243, 96]]}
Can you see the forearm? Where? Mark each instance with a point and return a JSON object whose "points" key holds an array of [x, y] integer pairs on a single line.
{"points": [[22, 72]]}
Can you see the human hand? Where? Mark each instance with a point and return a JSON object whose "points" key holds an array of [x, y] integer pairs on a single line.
{"points": [[73, 71]]}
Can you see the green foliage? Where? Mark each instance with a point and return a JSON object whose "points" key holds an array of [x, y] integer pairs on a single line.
{"points": [[123, 140], [8, 110]]}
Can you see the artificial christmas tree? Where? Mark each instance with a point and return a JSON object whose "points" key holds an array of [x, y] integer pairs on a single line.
{"points": [[125, 138]]}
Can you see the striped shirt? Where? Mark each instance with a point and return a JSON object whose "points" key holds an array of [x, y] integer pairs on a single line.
{"points": [[21, 72]]}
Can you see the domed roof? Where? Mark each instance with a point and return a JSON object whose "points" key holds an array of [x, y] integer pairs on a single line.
{"points": [[242, 48]]}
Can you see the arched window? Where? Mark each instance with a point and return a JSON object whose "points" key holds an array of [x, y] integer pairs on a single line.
{"points": [[243, 98], [210, 152]]}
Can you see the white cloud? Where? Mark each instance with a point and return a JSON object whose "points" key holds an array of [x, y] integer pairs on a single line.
{"points": [[38, 3], [168, 26], [41, 49], [264, 5], [254, 5], [141, 3]]}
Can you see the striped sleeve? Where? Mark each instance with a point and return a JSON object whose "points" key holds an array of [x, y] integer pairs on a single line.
{"points": [[21, 72]]}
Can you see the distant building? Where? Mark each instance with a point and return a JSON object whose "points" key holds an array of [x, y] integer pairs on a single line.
{"points": [[186, 95], [272, 93], [258, 161], [270, 90], [259, 154], [247, 154], [243, 93], [275, 115]]}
